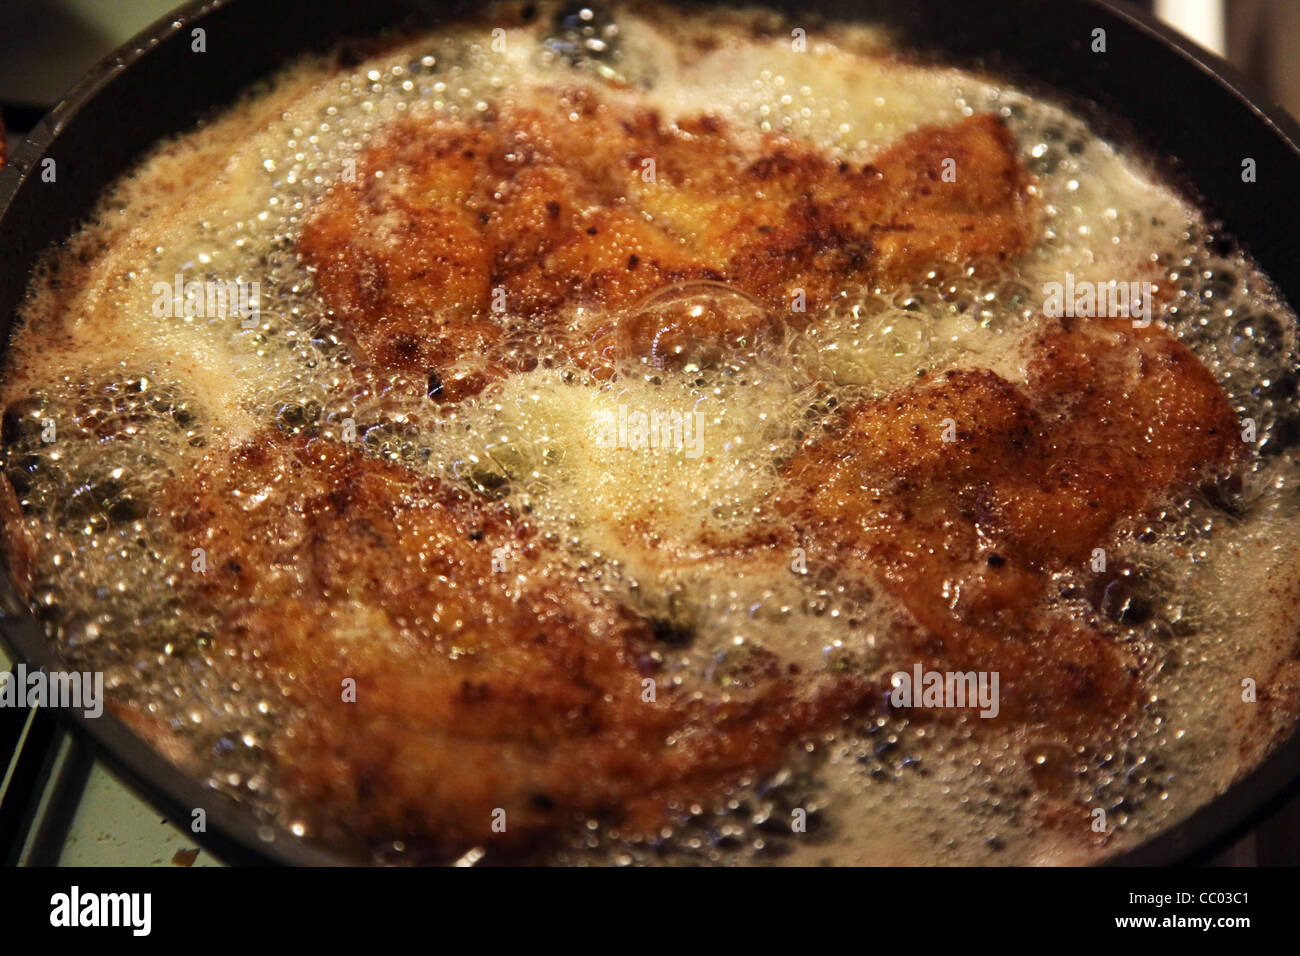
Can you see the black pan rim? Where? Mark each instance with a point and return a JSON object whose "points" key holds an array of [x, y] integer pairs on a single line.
{"points": [[234, 833]]}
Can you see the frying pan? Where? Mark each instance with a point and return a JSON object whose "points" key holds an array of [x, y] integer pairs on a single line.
{"points": [[1166, 95]]}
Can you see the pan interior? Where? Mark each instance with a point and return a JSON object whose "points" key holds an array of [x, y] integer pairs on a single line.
{"points": [[144, 396]]}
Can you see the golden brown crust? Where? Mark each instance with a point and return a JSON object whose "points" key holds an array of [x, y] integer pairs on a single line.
{"points": [[477, 690], [451, 229], [965, 532]]}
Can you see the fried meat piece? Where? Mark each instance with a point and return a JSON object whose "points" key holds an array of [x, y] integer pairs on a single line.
{"points": [[451, 230], [487, 681], [964, 496]]}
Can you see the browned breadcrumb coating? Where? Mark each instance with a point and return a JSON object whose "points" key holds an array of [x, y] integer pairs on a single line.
{"points": [[449, 226]]}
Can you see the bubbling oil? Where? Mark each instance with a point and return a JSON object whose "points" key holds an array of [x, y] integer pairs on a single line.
{"points": [[137, 398]]}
